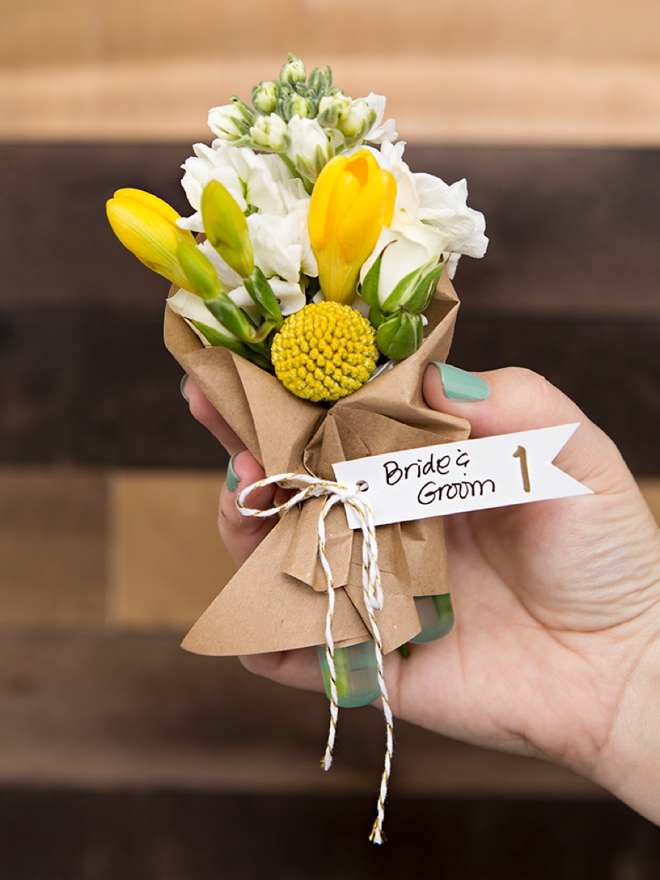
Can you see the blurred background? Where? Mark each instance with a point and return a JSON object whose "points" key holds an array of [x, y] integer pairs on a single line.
{"points": [[120, 755]]}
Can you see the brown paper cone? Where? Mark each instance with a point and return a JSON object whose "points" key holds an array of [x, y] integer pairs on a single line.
{"points": [[277, 600]]}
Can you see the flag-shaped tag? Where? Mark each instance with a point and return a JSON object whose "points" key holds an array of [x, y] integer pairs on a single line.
{"points": [[456, 477]]}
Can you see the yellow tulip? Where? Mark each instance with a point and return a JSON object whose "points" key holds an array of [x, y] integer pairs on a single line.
{"points": [[352, 200], [146, 225]]}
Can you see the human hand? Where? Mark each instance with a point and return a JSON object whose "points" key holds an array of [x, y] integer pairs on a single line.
{"points": [[557, 636]]}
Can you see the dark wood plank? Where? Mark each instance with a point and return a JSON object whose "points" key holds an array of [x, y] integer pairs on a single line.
{"points": [[71, 835], [569, 288]]}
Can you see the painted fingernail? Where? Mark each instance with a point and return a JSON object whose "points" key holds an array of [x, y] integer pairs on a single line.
{"points": [[232, 477], [182, 387], [461, 385]]}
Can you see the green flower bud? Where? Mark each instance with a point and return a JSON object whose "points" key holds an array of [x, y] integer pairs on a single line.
{"points": [[412, 289], [198, 269], [269, 133], [400, 335], [264, 97], [246, 112], [293, 71], [422, 295], [227, 122], [226, 228], [297, 105], [320, 81], [356, 121], [309, 148], [332, 109]]}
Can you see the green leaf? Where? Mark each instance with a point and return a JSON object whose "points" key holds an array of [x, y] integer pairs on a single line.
{"points": [[219, 339], [215, 337], [231, 316], [369, 287], [261, 335], [258, 287], [400, 335]]}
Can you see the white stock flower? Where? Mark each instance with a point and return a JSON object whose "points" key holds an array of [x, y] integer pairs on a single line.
{"points": [[263, 182], [445, 207], [226, 122], [281, 243], [199, 170], [436, 203], [309, 147]]}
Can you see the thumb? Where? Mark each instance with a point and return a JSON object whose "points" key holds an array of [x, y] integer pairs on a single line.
{"points": [[515, 399]]}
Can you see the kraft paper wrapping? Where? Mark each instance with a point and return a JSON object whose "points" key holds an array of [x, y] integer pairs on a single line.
{"points": [[277, 600]]}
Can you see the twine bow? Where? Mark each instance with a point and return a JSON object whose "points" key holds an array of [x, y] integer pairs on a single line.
{"points": [[313, 487]]}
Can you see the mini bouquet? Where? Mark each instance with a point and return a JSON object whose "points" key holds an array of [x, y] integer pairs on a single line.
{"points": [[311, 287]]}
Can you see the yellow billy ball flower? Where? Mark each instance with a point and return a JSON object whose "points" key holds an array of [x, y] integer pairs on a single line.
{"points": [[352, 200], [324, 351], [146, 225]]}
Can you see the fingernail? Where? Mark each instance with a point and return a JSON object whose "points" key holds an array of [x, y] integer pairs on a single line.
{"points": [[182, 387], [461, 385], [232, 477]]}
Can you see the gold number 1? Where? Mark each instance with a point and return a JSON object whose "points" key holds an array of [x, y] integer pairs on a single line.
{"points": [[521, 453]]}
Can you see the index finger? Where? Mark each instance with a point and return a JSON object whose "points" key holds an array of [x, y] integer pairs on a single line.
{"points": [[207, 415]]}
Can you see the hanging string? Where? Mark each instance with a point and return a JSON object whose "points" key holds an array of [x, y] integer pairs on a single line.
{"points": [[372, 592]]}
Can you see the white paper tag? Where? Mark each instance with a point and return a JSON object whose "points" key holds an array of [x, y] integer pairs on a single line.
{"points": [[457, 477]]}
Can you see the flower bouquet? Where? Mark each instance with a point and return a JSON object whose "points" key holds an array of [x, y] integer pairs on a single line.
{"points": [[306, 307]]}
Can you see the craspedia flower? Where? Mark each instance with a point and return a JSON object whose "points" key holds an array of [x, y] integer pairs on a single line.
{"points": [[324, 351]]}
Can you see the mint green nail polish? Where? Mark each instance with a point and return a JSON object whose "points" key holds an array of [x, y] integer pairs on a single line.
{"points": [[461, 385], [232, 477], [357, 674], [182, 387], [436, 616]]}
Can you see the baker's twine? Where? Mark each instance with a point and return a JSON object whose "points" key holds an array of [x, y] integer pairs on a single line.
{"points": [[372, 593]]}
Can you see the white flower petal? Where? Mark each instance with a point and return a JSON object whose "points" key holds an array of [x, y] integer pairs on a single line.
{"points": [[289, 295], [272, 252], [380, 133], [194, 223], [445, 207], [228, 278]]}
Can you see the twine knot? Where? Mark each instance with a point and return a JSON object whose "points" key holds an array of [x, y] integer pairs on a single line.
{"points": [[336, 493]]}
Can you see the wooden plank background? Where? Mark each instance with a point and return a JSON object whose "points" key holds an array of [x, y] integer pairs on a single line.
{"points": [[479, 71]]}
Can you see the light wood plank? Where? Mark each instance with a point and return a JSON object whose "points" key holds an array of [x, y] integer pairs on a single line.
{"points": [[441, 99], [167, 562]]}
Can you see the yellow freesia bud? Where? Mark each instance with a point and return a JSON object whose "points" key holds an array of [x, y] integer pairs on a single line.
{"points": [[352, 200], [226, 228], [146, 225]]}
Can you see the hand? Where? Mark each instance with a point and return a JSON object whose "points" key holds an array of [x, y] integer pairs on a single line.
{"points": [[556, 646]]}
